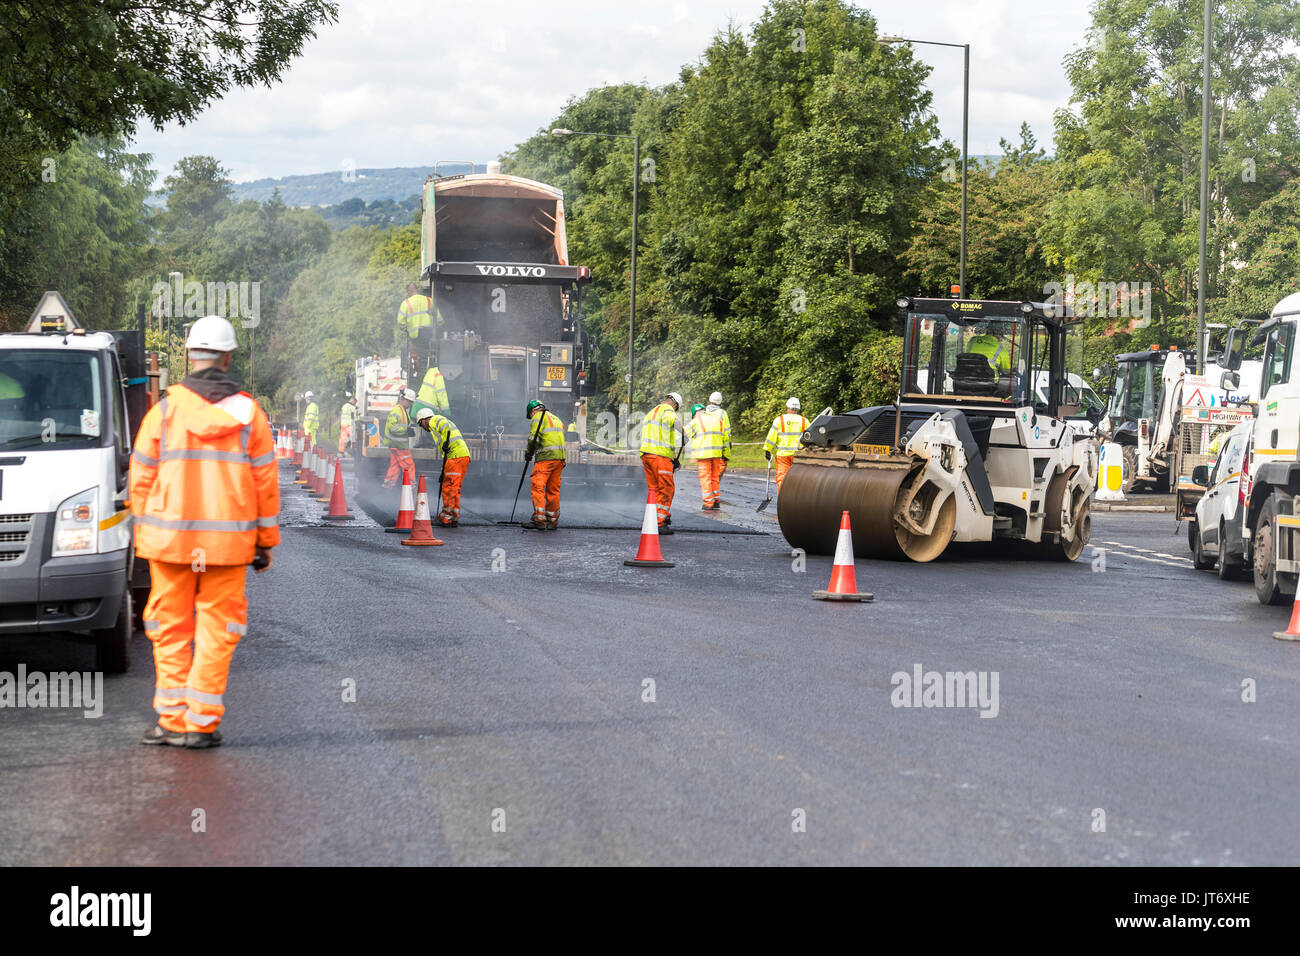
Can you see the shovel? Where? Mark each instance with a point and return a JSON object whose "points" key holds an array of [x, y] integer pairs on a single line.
{"points": [[766, 482]]}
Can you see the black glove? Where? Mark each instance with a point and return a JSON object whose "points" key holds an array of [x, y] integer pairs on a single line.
{"points": [[676, 464], [768, 455], [528, 456]]}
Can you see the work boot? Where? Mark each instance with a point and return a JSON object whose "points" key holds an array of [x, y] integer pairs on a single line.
{"points": [[664, 529], [533, 525], [716, 506], [158, 734], [202, 740], [550, 526]]}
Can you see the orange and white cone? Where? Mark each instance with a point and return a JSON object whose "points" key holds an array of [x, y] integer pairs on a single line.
{"points": [[322, 488], [648, 554], [405, 508], [422, 528], [844, 583], [338, 498], [305, 475], [1292, 632], [297, 449]]}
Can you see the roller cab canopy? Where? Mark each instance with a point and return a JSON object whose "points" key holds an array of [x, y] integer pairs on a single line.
{"points": [[992, 354]]}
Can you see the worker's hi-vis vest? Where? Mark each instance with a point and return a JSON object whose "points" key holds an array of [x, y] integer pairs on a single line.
{"points": [[549, 444], [311, 418], [204, 482], [433, 391], [397, 430], [707, 435], [783, 436], [348, 415], [658, 432], [447, 437], [997, 352], [415, 312]]}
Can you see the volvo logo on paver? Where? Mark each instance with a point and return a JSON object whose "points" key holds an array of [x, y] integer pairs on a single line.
{"points": [[522, 272]]}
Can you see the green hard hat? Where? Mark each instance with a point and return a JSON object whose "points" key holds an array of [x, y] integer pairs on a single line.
{"points": [[697, 407], [533, 406]]}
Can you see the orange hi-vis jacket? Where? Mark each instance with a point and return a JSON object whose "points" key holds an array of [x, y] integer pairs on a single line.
{"points": [[204, 481]]}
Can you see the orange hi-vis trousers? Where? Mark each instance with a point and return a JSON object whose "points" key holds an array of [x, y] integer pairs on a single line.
{"points": [[783, 463], [546, 491], [400, 463], [209, 609], [659, 479], [452, 476], [711, 470]]}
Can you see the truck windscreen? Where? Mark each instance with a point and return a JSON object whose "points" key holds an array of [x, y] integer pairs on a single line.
{"points": [[50, 399]]}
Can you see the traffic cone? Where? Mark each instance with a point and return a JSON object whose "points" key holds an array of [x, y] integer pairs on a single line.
{"points": [[297, 449], [648, 555], [323, 493], [1292, 632], [305, 476], [422, 527], [338, 498], [844, 584], [405, 508]]}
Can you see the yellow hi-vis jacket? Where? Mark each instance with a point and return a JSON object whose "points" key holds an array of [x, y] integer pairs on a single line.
{"points": [[447, 437], [347, 415], [548, 445], [433, 390], [397, 430], [658, 432], [311, 419], [415, 312], [783, 436], [708, 436]]}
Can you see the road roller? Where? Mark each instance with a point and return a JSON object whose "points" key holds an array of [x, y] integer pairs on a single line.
{"points": [[969, 451]]}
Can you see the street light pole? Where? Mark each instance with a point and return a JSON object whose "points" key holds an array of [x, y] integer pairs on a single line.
{"points": [[1203, 278], [636, 177], [965, 134]]}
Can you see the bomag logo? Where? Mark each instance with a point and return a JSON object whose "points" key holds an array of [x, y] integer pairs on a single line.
{"points": [[535, 272], [967, 307]]}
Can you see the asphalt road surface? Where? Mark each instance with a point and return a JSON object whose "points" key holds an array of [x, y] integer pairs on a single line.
{"points": [[524, 698]]}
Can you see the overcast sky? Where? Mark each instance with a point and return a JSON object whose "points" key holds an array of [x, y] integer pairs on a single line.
{"points": [[409, 82]]}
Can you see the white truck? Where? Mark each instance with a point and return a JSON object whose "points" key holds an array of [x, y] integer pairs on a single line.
{"points": [[1270, 480], [67, 563]]}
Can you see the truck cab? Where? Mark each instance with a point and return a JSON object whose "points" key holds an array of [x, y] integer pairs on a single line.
{"points": [[66, 554]]}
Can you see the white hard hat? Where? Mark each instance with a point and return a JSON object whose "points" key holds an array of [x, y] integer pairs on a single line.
{"points": [[212, 333], [423, 413], [407, 393], [675, 397], [308, 395], [715, 398], [793, 403]]}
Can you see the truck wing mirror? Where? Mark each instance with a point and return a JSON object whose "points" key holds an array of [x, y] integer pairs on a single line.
{"points": [[1093, 415], [1096, 375], [1229, 380], [1234, 348], [1201, 475]]}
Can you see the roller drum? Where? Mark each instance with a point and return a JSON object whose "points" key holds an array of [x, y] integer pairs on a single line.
{"points": [[812, 498]]}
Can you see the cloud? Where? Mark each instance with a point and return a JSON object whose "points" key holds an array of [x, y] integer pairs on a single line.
{"points": [[406, 82]]}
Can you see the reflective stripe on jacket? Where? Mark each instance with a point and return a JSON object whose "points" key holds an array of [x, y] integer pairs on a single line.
{"points": [[549, 443], [204, 482], [708, 440], [311, 417], [657, 432], [783, 436], [397, 430], [433, 390], [447, 437], [415, 312], [347, 415]]}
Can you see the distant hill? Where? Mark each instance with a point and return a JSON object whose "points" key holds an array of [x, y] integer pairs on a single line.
{"points": [[328, 189]]}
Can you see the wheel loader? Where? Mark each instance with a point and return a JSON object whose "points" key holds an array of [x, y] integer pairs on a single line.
{"points": [[970, 451]]}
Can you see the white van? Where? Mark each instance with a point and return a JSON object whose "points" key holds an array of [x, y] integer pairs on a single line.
{"points": [[66, 555]]}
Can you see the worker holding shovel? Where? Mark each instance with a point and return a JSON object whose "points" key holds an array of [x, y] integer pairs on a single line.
{"points": [[547, 446], [455, 462]]}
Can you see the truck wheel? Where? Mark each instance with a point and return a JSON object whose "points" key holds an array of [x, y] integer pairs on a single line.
{"points": [[112, 644], [1130, 460], [1056, 499], [1229, 568], [1268, 583], [1199, 560]]}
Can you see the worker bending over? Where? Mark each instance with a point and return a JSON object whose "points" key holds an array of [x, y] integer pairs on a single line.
{"points": [[397, 436], [661, 455], [455, 455], [546, 445], [711, 446], [205, 494], [783, 439]]}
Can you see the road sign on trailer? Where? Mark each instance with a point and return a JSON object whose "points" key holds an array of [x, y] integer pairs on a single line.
{"points": [[52, 315]]}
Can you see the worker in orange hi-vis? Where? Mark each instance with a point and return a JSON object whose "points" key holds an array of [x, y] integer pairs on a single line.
{"points": [[205, 496], [661, 456], [545, 449], [397, 436], [783, 439], [455, 462]]}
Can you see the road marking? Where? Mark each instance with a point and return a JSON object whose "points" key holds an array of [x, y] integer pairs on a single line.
{"points": [[1163, 554]]}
